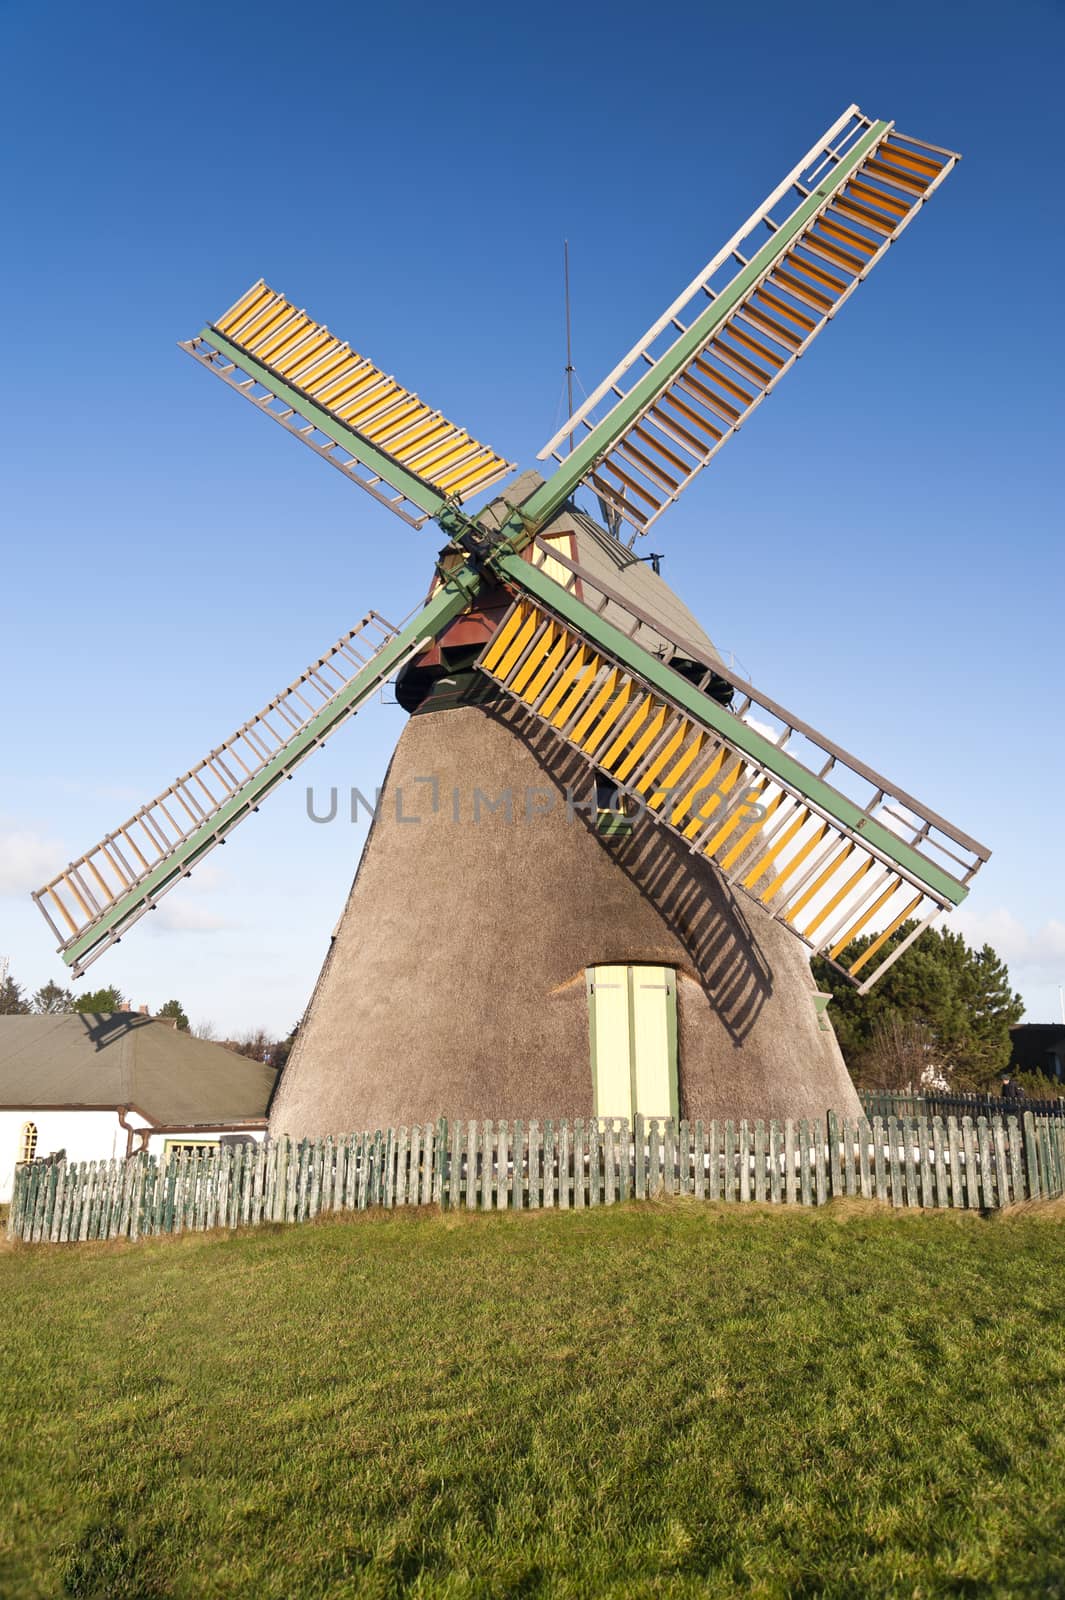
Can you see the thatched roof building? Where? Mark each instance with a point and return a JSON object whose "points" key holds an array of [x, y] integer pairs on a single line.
{"points": [[483, 945]]}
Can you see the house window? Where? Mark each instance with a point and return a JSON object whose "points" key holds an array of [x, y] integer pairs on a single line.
{"points": [[28, 1141], [189, 1147], [632, 1014]]}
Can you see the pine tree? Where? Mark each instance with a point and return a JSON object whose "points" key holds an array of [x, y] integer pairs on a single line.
{"points": [[52, 1000], [960, 999], [175, 1009], [100, 1000], [12, 1001]]}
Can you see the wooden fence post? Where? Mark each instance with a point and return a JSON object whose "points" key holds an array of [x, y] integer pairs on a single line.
{"points": [[17, 1219], [1016, 1156], [942, 1196], [684, 1156], [909, 1164], [517, 1188], [386, 1187], [14, 1210], [987, 1173], [654, 1159], [957, 1192], [669, 1157], [502, 1149], [1053, 1146], [534, 1135], [924, 1147], [594, 1150], [152, 1205], [564, 1183], [60, 1202], [1048, 1175], [699, 1160], [894, 1175], [52, 1185], [1053, 1143], [488, 1168], [972, 1183], [789, 1192], [402, 1159], [819, 1162], [835, 1188], [865, 1177], [849, 1136], [451, 1190], [641, 1159]]}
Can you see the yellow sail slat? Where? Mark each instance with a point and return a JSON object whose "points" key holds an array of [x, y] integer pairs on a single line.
{"points": [[288, 342]]}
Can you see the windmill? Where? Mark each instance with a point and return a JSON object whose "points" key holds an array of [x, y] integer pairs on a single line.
{"points": [[623, 846]]}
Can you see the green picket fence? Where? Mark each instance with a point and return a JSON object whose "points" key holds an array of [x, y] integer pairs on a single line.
{"points": [[966, 1163]]}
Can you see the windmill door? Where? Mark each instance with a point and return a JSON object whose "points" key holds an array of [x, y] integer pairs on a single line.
{"points": [[633, 1024]]}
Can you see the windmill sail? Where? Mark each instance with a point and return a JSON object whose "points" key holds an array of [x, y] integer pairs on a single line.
{"points": [[347, 409], [94, 900], [830, 848], [696, 376]]}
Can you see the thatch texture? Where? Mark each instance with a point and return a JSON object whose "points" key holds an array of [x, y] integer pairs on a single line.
{"points": [[455, 983]]}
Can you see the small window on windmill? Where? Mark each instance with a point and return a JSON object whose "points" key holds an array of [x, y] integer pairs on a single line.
{"points": [[28, 1141], [613, 810], [632, 1019], [541, 556]]}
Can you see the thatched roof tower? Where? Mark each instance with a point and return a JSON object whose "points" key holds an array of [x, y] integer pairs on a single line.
{"points": [[460, 977]]}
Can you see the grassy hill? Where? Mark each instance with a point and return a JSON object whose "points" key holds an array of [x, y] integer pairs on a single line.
{"points": [[657, 1400]]}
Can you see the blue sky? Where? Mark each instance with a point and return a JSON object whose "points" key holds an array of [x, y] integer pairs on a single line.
{"points": [[881, 548]]}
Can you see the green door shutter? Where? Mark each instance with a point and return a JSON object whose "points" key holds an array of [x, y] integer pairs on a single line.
{"points": [[633, 1021]]}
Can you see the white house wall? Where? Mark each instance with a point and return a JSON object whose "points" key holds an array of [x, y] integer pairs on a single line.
{"points": [[91, 1136], [84, 1135]]}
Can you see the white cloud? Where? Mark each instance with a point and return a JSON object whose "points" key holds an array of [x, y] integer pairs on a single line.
{"points": [[764, 728], [188, 908], [202, 879], [1037, 951], [181, 916], [27, 859]]}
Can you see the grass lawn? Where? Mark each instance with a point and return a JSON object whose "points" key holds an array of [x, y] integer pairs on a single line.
{"points": [[655, 1400]]}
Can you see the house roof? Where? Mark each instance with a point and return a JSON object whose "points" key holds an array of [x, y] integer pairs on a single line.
{"points": [[90, 1059]]}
